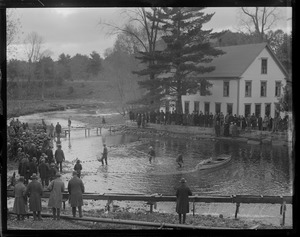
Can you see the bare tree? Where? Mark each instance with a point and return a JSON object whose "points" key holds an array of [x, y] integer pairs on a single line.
{"points": [[258, 20], [13, 27], [34, 52], [33, 43], [138, 26], [143, 27]]}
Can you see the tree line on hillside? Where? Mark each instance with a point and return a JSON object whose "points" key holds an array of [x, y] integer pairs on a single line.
{"points": [[53, 73]]}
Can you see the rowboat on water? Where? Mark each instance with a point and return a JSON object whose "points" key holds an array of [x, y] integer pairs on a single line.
{"points": [[213, 163]]}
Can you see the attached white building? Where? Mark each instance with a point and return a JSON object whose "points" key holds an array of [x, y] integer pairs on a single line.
{"points": [[247, 79]]}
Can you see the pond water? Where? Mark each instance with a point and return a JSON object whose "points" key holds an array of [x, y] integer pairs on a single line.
{"points": [[253, 169]]}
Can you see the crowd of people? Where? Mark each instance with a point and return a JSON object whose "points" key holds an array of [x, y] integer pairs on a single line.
{"points": [[224, 124], [39, 169]]}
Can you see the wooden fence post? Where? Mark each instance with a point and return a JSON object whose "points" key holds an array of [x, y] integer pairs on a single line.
{"points": [[282, 212], [237, 209], [193, 207]]}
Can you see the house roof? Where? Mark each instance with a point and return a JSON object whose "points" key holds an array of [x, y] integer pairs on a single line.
{"points": [[235, 61]]}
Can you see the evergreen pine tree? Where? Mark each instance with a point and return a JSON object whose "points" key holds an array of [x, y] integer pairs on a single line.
{"points": [[177, 67]]}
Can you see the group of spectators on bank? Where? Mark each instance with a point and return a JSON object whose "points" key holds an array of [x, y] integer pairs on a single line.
{"points": [[253, 122], [38, 169]]}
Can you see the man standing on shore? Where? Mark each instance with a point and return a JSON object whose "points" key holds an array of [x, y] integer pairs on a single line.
{"points": [[59, 156], [56, 188], [182, 204], [35, 192], [58, 130], [76, 189], [51, 130]]}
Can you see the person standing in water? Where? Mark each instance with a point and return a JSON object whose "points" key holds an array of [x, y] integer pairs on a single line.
{"points": [[179, 160], [151, 154], [104, 154], [69, 123]]}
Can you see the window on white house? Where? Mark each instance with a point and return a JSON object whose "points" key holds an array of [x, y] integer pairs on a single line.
{"points": [[247, 110], [226, 88], [206, 107], [229, 108], [264, 66], [248, 88], [257, 110], [267, 109], [196, 106], [276, 109], [186, 107], [218, 108], [263, 88], [278, 88]]}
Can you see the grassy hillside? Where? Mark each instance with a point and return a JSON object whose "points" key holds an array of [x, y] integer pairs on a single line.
{"points": [[92, 93]]}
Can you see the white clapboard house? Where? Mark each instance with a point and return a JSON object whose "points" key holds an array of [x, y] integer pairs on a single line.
{"points": [[247, 79]]}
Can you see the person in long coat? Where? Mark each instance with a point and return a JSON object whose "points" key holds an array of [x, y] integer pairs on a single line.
{"points": [[76, 189], [182, 200], [52, 172], [56, 188], [59, 156], [35, 191], [58, 130], [32, 166], [44, 171], [24, 169], [78, 168], [20, 203]]}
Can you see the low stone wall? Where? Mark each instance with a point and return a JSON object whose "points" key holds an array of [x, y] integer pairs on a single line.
{"points": [[253, 137]]}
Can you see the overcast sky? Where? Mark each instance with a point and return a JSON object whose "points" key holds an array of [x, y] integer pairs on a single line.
{"points": [[76, 30]]}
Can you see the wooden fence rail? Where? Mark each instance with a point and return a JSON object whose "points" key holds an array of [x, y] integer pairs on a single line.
{"points": [[160, 198], [153, 199]]}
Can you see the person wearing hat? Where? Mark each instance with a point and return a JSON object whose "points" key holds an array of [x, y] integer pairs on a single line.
{"points": [[104, 154], [58, 130], [49, 153], [78, 168], [182, 200], [39, 154], [52, 172], [59, 156], [44, 171], [32, 166], [20, 203], [35, 192], [151, 154], [51, 130], [24, 169], [76, 189], [56, 188]]}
